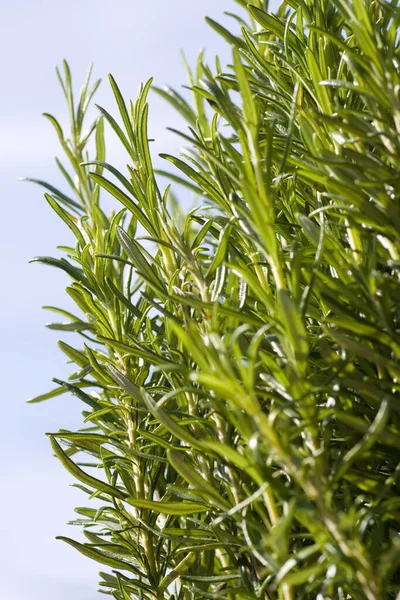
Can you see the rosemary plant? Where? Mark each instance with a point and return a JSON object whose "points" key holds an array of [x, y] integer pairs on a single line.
{"points": [[239, 373]]}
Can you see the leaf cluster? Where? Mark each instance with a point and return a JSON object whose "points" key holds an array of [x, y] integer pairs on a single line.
{"points": [[239, 363]]}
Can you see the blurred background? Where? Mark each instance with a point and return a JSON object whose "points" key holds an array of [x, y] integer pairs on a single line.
{"points": [[133, 40]]}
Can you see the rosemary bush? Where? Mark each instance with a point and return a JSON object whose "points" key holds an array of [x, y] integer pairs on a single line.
{"points": [[238, 364]]}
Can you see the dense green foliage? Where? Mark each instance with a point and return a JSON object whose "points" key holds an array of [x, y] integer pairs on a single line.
{"points": [[239, 364]]}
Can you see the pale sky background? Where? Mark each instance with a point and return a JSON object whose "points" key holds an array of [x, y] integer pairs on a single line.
{"points": [[133, 40]]}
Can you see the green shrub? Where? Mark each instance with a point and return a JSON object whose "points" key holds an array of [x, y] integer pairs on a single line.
{"points": [[239, 364]]}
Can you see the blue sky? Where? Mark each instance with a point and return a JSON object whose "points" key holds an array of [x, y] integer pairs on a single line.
{"points": [[133, 40]]}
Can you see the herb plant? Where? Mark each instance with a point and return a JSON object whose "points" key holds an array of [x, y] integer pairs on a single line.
{"points": [[238, 363]]}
